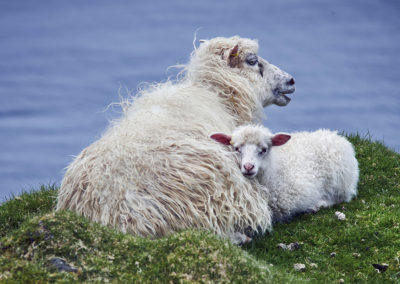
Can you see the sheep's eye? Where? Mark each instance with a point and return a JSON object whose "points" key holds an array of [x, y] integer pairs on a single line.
{"points": [[237, 149], [263, 151], [252, 59]]}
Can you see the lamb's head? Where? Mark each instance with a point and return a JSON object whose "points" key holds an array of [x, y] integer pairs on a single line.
{"points": [[233, 65], [252, 143]]}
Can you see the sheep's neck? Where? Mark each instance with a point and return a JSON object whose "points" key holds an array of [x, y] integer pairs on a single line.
{"points": [[242, 112]]}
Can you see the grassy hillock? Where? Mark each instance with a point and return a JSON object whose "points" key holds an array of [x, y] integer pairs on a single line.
{"points": [[38, 245]]}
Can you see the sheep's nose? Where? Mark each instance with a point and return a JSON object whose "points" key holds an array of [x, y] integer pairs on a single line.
{"points": [[290, 81], [248, 167]]}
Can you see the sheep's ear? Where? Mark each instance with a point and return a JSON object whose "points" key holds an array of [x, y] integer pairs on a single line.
{"points": [[234, 59], [280, 139], [222, 138], [234, 52]]}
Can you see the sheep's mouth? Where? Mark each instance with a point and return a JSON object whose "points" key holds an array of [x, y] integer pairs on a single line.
{"points": [[249, 174], [281, 98]]}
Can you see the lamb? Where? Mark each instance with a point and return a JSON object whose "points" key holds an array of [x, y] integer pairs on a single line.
{"points": [[155, 171], [312, 170]]}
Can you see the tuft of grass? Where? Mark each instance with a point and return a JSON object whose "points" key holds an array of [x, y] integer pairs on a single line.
{"points": [[32, 236], [20, 208]]}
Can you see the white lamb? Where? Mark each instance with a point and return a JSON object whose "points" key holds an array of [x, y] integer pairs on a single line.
{"points": [[155, 171], [312, 170]]}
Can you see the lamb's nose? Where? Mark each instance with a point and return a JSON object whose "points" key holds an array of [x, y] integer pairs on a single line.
{"points": [[248, 167], [290, 82]]}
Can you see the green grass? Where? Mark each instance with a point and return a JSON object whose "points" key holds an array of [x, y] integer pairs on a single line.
{"points": [[31, 234], [102, 254], [21, 208]]}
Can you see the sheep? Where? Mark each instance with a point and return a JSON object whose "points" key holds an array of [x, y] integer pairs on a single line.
{"points": [[309, 171], [155, 171]]}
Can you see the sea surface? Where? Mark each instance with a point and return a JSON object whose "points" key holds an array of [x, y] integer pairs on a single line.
{"points": [[63, 62]]}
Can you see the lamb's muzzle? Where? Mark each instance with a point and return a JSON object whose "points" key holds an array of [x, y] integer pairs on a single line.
{"points": [[248, 170]]}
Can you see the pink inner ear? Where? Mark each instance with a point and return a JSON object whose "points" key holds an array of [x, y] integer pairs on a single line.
{"points": [[280, 139], [222, 138]]}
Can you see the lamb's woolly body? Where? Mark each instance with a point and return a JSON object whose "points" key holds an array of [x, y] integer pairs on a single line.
{"points": [[155, 171], [312, 170]]}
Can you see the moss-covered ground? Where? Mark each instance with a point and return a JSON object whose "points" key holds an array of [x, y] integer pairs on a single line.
{"points": [[33, 239]]}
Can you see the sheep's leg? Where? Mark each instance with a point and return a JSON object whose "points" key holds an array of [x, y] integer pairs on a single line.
{"points": [[239, 239], [315, 210]]}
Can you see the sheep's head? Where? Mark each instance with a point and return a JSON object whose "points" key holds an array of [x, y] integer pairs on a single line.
{"points": [[233, 65], [253, 144]]}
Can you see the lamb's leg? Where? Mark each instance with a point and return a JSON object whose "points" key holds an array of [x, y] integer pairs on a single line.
{"points": [[320, 204]]}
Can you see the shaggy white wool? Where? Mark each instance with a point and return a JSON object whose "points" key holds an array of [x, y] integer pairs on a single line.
{"points": [[155, 171], [312, 170]]}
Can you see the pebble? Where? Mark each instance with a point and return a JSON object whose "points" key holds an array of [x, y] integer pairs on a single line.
{"points": [[294, 246], [380, 267], [61, 265], [299, 267], [282, 246], [291, 246], [340, 216]]}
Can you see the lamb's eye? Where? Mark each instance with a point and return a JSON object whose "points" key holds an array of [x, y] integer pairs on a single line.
{"points": [[252, 59], [237, 149], [263, 151]]}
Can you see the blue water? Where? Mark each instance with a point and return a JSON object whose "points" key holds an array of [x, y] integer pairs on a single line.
{"points": [[63, 62]]}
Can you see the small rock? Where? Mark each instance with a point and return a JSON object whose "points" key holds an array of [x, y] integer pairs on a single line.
{"points": [[333, 254], [291, 246], [62, 265], [313, 265], [356, 254], [282, 246], [340, 216], [341, 280], [380, 267], [294, 246], [299, 267]]}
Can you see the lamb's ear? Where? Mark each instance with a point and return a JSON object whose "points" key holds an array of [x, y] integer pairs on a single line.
{"points": [[280, 139], [234, 59], [222, 138]]}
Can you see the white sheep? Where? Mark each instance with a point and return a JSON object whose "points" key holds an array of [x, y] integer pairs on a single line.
{"points": [[312, 170], [155, 171]]}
